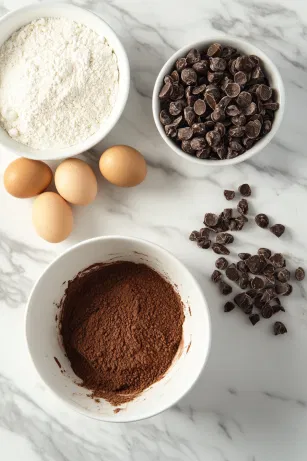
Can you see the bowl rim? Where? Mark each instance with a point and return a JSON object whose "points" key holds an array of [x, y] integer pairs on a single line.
{"points": [[240, 44], [99, 135], [120, 417]]}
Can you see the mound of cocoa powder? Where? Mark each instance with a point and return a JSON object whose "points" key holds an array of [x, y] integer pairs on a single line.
{"points": [[121, 325]]}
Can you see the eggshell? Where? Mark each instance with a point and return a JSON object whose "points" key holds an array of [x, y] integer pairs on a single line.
{"points": [[76, 182], [25, 178], [52, 217], [123, 166]]}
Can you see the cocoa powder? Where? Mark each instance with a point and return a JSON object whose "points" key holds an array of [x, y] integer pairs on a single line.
{"points": [[121, 326]]}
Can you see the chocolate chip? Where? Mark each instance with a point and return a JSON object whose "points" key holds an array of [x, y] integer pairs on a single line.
{"points": [[186, 147], [221, 263], [254, 318], [299, 274], [229, 194], [224, 238], [233, 110], [181, 64], [240, 78], [232, 273], [204, 153], [214, 77], [214, 50], [237, 132], [229, 306], [203, 243], [244, 256], [210, 100], [277, 229], [277, 260], [267, 311], [242, 206], [165, 118], [193, 56], [199, 107], [271, 106], [232, 90], [283, 275], [252, 129], [245, 302], [257, 283], [213, 138], [220, 249], [243, 281], [211, 219], [283, 289], [189, 76], [198, 143], [262, 220], [189, 115], [194, 235], [244, 99], [254, 263], [264, 252], [264, 92], [216, 276], [279, 328], [166, 90], [185, 133], [176, 107], [217, 64], [201, 67], [245, 190], [225, 289]]}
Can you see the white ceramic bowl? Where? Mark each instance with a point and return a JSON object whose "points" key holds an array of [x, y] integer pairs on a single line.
{"points": [[247, 48], [18, 18], [44, 344]]}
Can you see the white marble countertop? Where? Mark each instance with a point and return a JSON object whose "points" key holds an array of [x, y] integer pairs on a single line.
{"points": [[250, 404]]}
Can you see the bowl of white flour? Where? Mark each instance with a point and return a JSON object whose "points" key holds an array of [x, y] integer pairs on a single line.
{"points": [[64, 80]]}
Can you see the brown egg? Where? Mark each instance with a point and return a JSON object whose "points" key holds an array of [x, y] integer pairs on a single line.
{"points": [[52, 217], [123, 166], [26, 178], [76, 182]]}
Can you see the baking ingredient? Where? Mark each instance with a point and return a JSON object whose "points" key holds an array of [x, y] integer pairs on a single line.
{"points": [[220, 249], [242, 206], [277, 229], [229, 194], [216, 276], [229, 306], [254, 318], [262, 220], [121, 326], [58, 83], [217, 106], [299, 274], [225, 289], [123, 166], [245, 190], [52, 217], [279, 328], [25, 178], [76, 182], [221, 263]]}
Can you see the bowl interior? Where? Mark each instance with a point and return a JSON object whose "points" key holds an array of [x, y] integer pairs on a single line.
{"points": [[246, 48], [13, 21], [44, 344]]}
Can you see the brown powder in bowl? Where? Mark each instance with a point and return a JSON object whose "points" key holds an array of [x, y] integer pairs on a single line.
{"points": [[121, 326]]}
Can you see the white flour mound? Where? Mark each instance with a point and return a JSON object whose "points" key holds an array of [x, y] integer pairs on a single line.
{"points": [[58, 83]]}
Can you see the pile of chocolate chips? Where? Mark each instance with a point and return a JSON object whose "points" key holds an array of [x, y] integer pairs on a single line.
{"points": [[264, 276], [217, 103]]}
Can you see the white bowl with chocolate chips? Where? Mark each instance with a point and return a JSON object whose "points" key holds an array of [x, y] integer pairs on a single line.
{"points": [[218, 101]]}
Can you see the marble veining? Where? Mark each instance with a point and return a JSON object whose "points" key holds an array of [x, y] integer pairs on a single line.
{"points": [[250, 403]]}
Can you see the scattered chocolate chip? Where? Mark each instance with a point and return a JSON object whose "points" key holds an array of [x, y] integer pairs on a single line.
{"points": [[254, 264], [257, 283], [204, 232], [199, 107], [204, 243], [198, 143], [254, 318], [262, 220], [244, 256], [232, 273], [229, 194], [221, 263], [211, 219], [185, 133], [264, 92], [216, 276], [242, 206], [225, 289], [299, 274], [243, 281], [245, 190], [283, 275], [277, 260], [165, 118], [220, 249], [264, 252], [225, 238], [267, 311], [277, 229], [245, 302], [279, 328], [242, 267], [232, 90], [194, 235], [193, 56], [283, 289], [229, 306]]}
